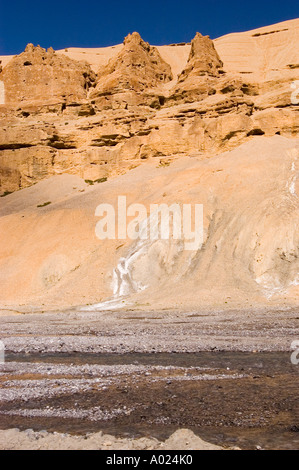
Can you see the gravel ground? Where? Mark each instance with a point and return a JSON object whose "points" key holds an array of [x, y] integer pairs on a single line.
{"points": [[146, 332], [141, 376]]}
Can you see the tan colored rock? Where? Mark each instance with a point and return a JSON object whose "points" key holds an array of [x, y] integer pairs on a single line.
{"points": [[136, 112], [137, 68], [203, 59], [16, 136], [201, 76], [40, 76]]}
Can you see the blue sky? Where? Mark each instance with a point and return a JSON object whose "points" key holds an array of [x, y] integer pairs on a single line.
{"points": [[102, 23]]}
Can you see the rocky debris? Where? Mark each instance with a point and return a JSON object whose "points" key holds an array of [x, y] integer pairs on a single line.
{"points": [[133, 394], [203, 77], [40, 76], [23, 167], [123, 332], [198, 80]]}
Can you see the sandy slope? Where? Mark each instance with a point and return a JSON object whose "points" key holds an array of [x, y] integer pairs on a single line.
{"points": [[250, 195], [261, 51]]}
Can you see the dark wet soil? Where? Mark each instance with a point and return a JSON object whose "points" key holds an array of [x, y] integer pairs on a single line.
{"points": [[237, 361], [260, 409]]}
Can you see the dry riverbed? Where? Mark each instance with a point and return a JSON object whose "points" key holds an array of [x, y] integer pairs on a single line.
{"points": [[131, 379]]}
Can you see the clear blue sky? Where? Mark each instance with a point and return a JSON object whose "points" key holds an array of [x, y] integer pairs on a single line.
{"points": [[95, 23]]}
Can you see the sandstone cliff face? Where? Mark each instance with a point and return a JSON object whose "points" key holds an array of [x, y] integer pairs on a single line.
{"points": [[58, 116], [40, 76], [182, 125], [203, 59]]}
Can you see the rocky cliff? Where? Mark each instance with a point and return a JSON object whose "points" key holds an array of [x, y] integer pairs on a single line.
{"points": [[210, 122], [60, 115]]}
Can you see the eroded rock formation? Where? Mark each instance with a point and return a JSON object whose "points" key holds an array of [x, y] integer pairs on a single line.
{"points": [[59, 116], [138, 68], [203, 59], [40, 76]]}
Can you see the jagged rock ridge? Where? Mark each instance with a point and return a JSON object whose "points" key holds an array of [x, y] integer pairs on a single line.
{"points": [[40, 76], [60, 117], [137, 67]]}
